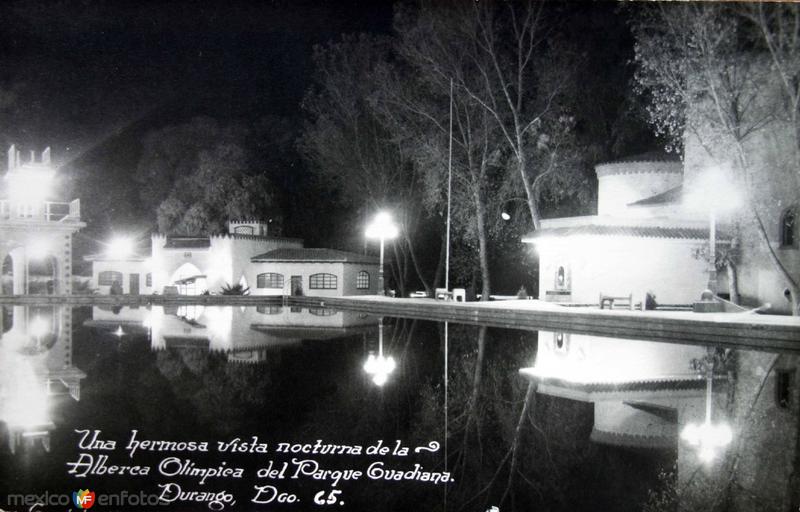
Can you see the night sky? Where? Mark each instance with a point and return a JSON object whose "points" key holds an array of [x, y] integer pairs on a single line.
{"points": [[76, 72], [91, 79]]}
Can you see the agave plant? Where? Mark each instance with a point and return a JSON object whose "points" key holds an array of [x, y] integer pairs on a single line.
{"points": [[234, 289]]}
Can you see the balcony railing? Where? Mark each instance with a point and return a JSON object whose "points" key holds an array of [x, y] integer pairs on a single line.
{"points": [[47, 211]]}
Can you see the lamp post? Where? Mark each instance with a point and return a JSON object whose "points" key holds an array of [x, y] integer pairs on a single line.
{"points": [[383, 229], [714, 192], [380, 366], [712, 250]]}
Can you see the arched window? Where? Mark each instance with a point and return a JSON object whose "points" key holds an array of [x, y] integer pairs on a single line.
{"points": [[269, 280], [362, 280], [789, 228], [109, 277], [322, 281]]}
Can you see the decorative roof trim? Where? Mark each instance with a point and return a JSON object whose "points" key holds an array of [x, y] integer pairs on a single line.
{"points": [[313, 255], [674, 233], [664, 441], [621, 168]]}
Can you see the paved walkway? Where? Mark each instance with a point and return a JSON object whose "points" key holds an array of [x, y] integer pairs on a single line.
{"points": [[742, 330]]}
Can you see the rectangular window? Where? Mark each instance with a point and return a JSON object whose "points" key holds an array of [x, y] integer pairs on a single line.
{"points": [[322, 282], [148, 280], [269, 310], [109, 277], [362, 280]]}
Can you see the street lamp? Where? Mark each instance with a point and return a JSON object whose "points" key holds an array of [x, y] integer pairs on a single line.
{"points": [[382, 228], [380, 366], [714, 193]]}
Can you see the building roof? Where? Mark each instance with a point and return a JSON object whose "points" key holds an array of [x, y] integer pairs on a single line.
{"points": [[671, 196], [649, 156], [314, 255], [187, 242], [677, 233]]}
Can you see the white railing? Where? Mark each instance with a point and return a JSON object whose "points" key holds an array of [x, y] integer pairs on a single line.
{"points": [[48, 211]]}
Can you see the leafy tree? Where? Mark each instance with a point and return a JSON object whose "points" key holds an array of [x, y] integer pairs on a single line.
{"points": [[523, 76], [352, 151], [705, 83], [220, 187], [414, 101]]}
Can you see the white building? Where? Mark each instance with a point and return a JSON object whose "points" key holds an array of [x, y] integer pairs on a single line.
{"points": [[245, 255], [35, 231], [641, 240], [650, 236], [318, 272]]}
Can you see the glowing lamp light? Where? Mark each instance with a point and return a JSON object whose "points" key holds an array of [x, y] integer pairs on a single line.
{"points": [[714, 190], [382, 227], [709, 439], [39, 327], [30, 185], [505, 216], [379, 367], [37, 248], [120, 248], [119, 333]]}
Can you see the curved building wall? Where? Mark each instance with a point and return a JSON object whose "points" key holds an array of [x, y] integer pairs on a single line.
{"points": [[623, 183]]}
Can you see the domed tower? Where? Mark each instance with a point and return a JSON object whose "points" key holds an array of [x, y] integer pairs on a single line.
{"points": [[635, 179]]}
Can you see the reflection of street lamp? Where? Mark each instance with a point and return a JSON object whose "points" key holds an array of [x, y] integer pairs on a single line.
{"points": [[38, 329], [380, 367], [382, 228], [707, 437], [119, 333], [714, 193]]}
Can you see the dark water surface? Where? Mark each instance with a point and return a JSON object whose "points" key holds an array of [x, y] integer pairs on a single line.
{"points": [[118, 401]]}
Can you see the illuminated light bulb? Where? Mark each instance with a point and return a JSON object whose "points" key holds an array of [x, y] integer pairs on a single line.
{"points": [[382, 227], [119, 332], [120, 248], [38, 248]]}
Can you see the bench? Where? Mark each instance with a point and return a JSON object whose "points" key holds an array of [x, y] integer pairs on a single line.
{"points": [[621, 300], [443, 294]]}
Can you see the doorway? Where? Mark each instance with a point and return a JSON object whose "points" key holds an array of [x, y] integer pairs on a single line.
{"points": [[297, 285]]}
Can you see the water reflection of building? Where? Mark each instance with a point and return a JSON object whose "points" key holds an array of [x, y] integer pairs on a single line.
{"points": [[643, 392], [244, 334], [35, 232], [35, 367]]}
